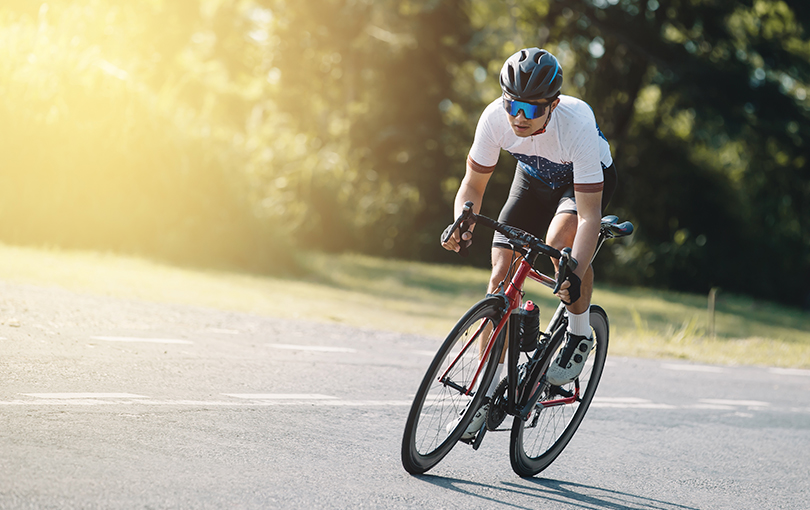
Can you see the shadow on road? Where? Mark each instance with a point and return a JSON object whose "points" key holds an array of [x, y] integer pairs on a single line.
{"points": [[568, 493]]}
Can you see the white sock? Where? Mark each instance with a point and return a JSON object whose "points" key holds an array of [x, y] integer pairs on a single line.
{"points": [[495, 380], [580, 324]]}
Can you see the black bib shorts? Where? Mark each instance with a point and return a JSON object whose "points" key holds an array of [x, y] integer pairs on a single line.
{"points": [[532, 204]]}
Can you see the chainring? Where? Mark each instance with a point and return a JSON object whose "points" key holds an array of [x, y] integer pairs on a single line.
{"points": [[497, 402]]}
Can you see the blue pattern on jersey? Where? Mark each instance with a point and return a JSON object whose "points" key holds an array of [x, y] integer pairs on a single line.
{"points": [[600, 133], [597, 127], [553, 175]]}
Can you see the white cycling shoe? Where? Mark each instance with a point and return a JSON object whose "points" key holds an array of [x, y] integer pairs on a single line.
{"points": [[475, 424], [559, 375]]}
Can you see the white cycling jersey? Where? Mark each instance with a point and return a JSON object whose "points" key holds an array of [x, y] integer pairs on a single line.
{"points": [[571, 150]]}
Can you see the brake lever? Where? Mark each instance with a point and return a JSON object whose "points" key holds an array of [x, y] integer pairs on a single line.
{"points": [[567, 263], [463, 247], [463, 224]]}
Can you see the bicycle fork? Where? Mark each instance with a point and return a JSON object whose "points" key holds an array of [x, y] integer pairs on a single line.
{"points": [[512, 342]]}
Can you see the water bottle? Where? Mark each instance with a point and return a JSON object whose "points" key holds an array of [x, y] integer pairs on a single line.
{"points": [[529, 327]]}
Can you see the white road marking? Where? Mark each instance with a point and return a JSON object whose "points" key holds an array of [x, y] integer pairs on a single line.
{"points": [[745, 403], [280, 396], [318, 400], [621, 400], [628, 403], [692, 368], [425, 353], [139, 339], [713, 407], [312, 348], [790, 371], [366, 403], [82, 395], [205, 403]]}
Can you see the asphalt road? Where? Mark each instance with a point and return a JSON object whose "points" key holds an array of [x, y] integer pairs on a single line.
{"points": [[109, 403]]}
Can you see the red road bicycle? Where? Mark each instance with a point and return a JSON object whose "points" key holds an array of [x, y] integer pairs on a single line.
{"points": [[545, 417]]}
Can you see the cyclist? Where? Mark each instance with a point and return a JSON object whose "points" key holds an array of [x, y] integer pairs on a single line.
{"points": [[564, 179]]}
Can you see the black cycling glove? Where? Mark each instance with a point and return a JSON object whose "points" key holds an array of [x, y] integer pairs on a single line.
{"points": [[574, 289], [462, 244]]}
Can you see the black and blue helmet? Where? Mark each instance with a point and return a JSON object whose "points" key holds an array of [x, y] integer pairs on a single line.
{"points": [[532, 74]]}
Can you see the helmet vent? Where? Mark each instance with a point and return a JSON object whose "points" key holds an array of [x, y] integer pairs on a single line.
{"points": [[524, 55], [531, 74], [511, 75], [524, 78]]}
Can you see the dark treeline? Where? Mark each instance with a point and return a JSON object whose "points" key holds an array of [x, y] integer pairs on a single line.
{"points": [[234, 132]]}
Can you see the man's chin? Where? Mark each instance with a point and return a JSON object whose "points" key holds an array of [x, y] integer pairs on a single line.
{"points": [[522, 132]]}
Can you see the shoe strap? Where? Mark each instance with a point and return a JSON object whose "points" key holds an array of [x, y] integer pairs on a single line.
{"points": [[572, 341]]}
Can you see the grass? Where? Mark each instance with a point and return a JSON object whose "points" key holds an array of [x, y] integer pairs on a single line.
{"points": [[427, 299]]}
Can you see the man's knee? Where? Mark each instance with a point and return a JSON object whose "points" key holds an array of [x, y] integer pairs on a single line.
{"points": [[501, 260], [562, 231]]}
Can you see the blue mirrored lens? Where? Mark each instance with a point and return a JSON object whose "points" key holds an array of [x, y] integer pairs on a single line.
{"points": [[530, 111]]}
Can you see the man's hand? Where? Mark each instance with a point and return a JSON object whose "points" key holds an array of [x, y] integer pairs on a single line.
{"points": [[570, 289], [456, 242]]}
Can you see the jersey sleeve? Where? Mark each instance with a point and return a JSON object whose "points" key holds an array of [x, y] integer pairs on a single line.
{"points": [[486, 147], [586, 156]]}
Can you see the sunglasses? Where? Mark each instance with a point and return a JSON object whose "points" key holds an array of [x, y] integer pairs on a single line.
{"points": [[530, 111]]}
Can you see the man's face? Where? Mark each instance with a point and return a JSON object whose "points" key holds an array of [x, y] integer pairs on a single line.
{"points": [[521, 125]]}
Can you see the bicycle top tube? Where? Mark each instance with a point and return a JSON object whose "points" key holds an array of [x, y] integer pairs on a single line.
{"points": [[609, 229], [522, 238]]}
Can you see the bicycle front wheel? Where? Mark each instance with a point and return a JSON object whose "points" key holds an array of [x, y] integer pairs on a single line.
{"points": [[448, 397], [536, 442]]}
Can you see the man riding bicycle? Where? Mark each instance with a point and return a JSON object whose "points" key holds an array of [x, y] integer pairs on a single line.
{"points": [[564, 179]]}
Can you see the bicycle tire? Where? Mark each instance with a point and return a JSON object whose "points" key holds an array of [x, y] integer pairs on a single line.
{"points": [[536, 442], [426, 439]]}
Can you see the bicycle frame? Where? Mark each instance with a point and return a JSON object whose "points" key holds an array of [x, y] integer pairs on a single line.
{"points": [[452, 397], [513, 296]]}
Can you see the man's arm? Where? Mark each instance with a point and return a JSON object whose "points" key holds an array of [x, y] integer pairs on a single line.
{"points": [[589, 208], [471, 189], [589, 219]]}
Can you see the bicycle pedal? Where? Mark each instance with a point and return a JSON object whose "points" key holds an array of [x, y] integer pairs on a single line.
{"points": [[479, 437]]}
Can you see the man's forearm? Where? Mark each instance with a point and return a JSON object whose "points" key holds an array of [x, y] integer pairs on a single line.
{"points": [[466, 194], [585, 244]]}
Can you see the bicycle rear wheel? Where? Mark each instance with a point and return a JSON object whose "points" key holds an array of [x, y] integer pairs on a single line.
{"points": [[445, 403], [536, 442]]}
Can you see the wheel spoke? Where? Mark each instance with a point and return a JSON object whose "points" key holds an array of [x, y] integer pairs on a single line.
{"points": [[441, 405], [539, 440]]}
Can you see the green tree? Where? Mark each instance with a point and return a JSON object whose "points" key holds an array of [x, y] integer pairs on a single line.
{"points": [[706, 107], [114, 141], [232, 130]]}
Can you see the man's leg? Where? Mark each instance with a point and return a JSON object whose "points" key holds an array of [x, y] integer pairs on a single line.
{"points": [[561, 234], [569, 363], [501, 260]]}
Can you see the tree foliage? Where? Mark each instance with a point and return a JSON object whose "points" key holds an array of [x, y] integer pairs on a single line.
{"points": [[235, 131]]}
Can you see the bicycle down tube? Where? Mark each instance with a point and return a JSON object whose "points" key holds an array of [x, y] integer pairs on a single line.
{"points": [[512, 296], [443, 379]]}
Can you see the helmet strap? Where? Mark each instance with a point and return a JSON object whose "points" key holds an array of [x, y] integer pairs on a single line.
{"points": [[548, 119]]}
